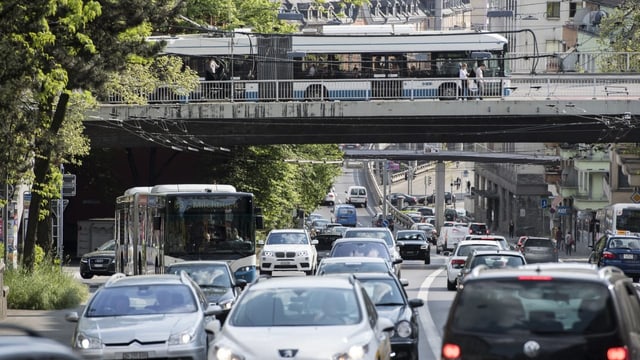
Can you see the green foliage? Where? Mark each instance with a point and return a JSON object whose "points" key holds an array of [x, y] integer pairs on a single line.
{"points": [[620, 32], [46, 287]]}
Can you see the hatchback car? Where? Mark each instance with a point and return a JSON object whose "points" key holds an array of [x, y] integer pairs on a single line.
{"points": [[390, 298], [620, 251], [317, 317], [216, 280], [414, 245], [476, 228], [539, 249], [145, 316], [457, 260], [350, 265], [544, 311], [102, 261]]}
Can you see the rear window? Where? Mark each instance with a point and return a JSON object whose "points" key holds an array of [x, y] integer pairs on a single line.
{"points": [[497, 261], [465, 250], [533, 306], [346, 211], [377, 234], [538, 243], [476, 227], [360, 249]]}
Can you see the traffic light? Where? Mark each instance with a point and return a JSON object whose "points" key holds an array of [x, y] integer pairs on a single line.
{"points": [[428, 180]]}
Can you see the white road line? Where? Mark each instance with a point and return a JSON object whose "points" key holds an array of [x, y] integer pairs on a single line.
{"points": [[432, 334]]}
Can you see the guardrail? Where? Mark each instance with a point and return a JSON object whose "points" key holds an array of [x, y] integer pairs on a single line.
{"points": [[398, 216], [550, 86]]}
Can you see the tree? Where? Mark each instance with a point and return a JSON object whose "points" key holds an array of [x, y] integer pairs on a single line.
{"points": [[58, 48], [620, 32]]}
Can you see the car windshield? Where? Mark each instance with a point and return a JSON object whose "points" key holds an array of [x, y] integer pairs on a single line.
{"points": [[349, 267], [410, 236], [205, 275], [287, 238], [108, 246], [297, 307], [369, 249], [141, 300], [541, 307], [373, 233], [538, 242], [465, 250], [383, 292]]}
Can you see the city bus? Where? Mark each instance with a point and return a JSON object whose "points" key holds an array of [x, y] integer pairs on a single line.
{"points": [[343, 63], [619, 219], [164, 224]]}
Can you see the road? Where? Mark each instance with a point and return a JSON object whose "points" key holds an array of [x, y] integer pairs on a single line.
{"points": [[427, 282]]}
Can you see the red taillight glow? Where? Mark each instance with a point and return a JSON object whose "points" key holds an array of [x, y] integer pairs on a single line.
{"points": [[534, 278], [457, 262], [450, 351], [608, 255], [615, 353]]}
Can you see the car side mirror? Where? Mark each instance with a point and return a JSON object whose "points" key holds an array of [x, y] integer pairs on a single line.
{"points": [[315, 242], [260, 242], [397, 261], [241, 283]]}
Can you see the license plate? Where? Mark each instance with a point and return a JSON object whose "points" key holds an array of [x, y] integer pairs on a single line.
{"points": [[286, 262], [135, 355], [627, 256], [411, 252], [97, 265]]}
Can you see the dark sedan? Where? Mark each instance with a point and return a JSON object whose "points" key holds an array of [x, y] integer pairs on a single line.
{"points": [[431, 199], [622, 252], [102, 261], [390, 299], [397, 198], [413, 245], [216, 280]]}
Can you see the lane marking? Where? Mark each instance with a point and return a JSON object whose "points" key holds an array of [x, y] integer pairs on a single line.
{"points": [[432, 333]]}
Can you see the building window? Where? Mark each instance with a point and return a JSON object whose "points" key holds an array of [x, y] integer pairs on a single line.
{"points": [[553, 9], [573, 7]]}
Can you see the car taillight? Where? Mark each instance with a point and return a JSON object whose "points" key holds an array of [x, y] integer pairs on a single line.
{"points": [[459, 262], [608, 255], [616, 353], [488, 232], [450, 352]]}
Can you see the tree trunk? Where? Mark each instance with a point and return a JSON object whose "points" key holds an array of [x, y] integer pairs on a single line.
{"points": [[41, 170]]}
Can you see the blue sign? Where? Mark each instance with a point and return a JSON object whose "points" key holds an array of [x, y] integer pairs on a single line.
{"points": [[544, 203], [564, 210]]}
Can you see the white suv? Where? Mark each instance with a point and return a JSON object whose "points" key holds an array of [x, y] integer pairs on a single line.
{"points": [[288, 250], [459, 257]]}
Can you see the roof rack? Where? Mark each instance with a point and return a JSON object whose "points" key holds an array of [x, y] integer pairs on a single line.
{"points": [[114, 278]]}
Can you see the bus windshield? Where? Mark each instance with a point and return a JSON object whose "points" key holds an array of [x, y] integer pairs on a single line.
{"points": [[206, 226]]}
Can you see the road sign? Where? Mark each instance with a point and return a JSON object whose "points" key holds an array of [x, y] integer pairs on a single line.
{"points": [[544, 203], [564, 210], [69, 185]]}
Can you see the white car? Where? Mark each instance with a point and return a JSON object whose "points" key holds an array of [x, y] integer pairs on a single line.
{"points": [[329, 199], [497, 238], [288, 250], [311, 317], [378, 233], [450, 235], [456, 261]]}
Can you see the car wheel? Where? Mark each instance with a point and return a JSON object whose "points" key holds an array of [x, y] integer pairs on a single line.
{"points": [[427, 259], [636, 279], [308, 272], [451, 285], [438, 250], [86, 275]]}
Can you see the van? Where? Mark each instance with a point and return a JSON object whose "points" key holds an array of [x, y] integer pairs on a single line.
{"points": [[345, 214], [357, 195]]}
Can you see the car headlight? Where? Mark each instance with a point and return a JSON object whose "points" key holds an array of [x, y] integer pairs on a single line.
{"points": [[84, 260], [244, 269], [403, 329], [424, 247], [302, 253], [267, 253], [182, 338], [86, 342], [226, 304], [224, 353], [355, 352]]}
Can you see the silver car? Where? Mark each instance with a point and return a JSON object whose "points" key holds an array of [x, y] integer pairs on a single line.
{"points": [[146, 316], [313, 317]]}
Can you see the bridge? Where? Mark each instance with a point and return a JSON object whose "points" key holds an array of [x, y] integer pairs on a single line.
{"points": [[578, 108]]}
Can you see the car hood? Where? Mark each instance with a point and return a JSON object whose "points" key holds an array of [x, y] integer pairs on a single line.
{"points": [[100, 253], [143, 328], [395, 313], [216, 294], [287, 247], [269, 342]]}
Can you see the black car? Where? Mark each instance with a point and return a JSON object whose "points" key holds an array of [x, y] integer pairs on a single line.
{"points": [[431, 199], [544, 311], [397, 198], [388, 294], [414, 245], [216, 280], [102, 261]]}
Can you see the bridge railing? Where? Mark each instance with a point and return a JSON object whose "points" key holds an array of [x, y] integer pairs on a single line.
{"points": [[548, 86], [574, 62]]}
